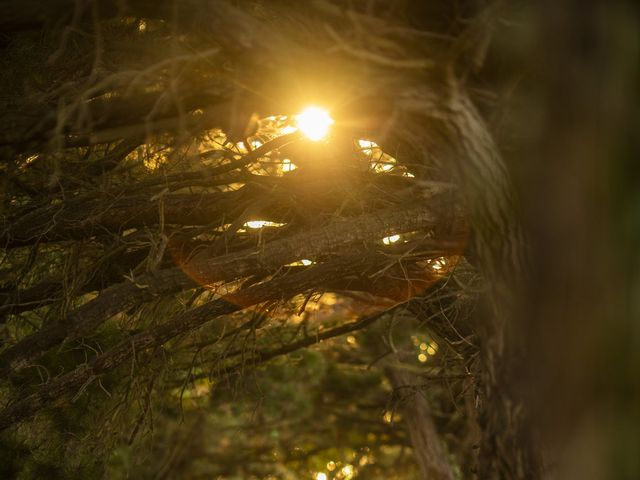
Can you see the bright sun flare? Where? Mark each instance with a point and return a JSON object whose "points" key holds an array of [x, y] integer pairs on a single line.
{"points": [[314, 123]]}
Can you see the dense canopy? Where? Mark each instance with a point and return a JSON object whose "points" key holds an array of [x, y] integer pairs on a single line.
{"points": [[278, 240]]}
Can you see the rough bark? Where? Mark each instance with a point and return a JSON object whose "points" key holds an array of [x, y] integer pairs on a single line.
{"points": [[458, 138], [507, 450]]}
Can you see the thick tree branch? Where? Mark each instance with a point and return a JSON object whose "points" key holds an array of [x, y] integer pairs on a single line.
{"points": [[84, 217], [203, 269]]}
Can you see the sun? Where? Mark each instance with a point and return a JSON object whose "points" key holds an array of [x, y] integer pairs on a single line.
{"points": [[314, 123]]}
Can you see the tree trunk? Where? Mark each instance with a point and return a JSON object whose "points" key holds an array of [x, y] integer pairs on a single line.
{"points": [[457, 137], [426, 442]]}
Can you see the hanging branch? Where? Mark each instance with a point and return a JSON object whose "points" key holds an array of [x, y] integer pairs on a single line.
{"points": [[277, 289]]}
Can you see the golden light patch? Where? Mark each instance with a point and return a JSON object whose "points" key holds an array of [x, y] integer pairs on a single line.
{"points": [[391, 239], [288, 165], [255, 224], [300, 263]]}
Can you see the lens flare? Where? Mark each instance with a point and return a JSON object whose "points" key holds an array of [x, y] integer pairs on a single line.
{"points": [[314, 123]]}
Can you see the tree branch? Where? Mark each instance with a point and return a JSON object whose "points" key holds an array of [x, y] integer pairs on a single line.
{"points": [[278, 289], [204, 269]]}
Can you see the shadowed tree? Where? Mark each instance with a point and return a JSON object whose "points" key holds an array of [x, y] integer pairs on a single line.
{"points": [[189, 272]]}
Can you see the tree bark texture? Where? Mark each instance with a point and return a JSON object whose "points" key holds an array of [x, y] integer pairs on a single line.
{"points": [[458, 138]]}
